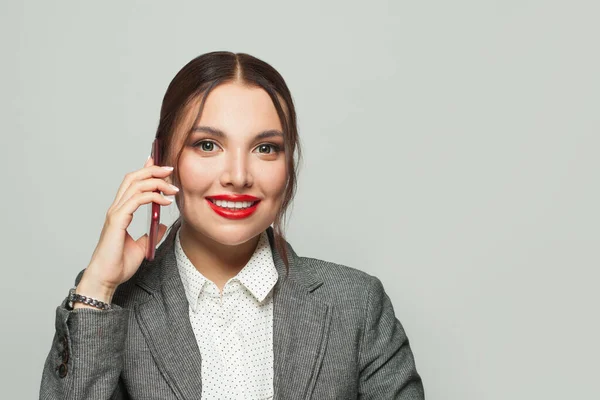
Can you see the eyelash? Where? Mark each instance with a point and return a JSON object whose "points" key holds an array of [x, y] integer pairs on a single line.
{"points": [[275, 148]]}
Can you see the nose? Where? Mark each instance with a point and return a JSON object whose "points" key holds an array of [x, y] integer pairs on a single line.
{"points": [[236, 172]]}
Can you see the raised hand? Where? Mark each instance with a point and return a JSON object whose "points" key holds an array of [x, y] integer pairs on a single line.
{"points": [[117, 255]]}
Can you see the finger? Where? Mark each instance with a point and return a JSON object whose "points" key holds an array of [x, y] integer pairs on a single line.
{"points": [[149, 162], [147, 185], [144, 173], [126, 210]]}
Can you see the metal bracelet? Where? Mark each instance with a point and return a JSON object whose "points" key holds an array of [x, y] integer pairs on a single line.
{"points": [[78, 298]]}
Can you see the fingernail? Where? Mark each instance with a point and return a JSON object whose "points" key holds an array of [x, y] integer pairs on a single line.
{"points": [[175, 187], [168, 168], [169, 198], [148, 158]]}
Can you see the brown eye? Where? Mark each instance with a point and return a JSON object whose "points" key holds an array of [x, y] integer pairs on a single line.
{"points": [[206, 146], [268, 148]]}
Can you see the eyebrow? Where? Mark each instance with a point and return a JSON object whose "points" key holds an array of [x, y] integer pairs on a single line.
{"points": [[219, 133]]}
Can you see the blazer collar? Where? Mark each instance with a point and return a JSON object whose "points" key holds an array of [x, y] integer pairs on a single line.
{"points": [[153, 274], [300, 324]]}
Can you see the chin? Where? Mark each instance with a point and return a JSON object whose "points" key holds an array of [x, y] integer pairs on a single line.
{"points": [[228, 232], [231, 234]]}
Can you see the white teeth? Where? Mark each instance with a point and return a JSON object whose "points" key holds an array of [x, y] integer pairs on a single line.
{"points": [[232, 204]]}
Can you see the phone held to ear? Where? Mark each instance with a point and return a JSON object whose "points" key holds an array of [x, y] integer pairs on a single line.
{"points": [[153, 208]]}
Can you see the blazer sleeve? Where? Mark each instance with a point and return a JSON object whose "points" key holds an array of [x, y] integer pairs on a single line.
{"points": [[86, 357], [387, 365]]}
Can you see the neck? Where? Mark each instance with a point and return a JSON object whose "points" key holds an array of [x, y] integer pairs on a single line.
{"points": [[216, 261]]}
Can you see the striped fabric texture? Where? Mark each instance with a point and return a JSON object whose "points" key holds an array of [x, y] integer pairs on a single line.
{"points": [[335, 336]]}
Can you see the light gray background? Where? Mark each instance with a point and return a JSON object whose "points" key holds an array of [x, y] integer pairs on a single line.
{"points": [[451, 149]]}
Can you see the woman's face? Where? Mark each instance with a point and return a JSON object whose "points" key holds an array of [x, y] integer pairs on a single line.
{"points": [[235, 149]]}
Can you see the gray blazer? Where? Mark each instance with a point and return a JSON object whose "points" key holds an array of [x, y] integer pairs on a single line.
{"points": [[335, 336]]}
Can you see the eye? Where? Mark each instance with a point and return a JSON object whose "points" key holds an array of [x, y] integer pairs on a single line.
{"points": [[268, 148], [207, 146]]}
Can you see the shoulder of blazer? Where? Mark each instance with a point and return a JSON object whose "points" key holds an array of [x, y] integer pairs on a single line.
{"points": [[339, 283], [331, 271]]}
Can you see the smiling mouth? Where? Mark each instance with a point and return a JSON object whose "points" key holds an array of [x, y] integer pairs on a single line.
{"points": [[233, 205]]}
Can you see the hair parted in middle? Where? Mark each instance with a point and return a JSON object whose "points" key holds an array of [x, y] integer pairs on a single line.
{"points": [[184, 101]]}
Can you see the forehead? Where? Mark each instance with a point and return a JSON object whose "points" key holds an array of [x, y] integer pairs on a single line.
{"points": [[237, 108]]}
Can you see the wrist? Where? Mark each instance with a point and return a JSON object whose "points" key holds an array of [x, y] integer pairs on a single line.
{"points": [[95, 290], [76, 300]]}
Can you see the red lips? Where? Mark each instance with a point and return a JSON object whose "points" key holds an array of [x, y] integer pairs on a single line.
{"points": [[237, 213], [233, 197]]}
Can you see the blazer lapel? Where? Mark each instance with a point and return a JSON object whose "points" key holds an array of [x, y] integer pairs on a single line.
{"points": [[300, 328], [300, 325], [165, 324]]}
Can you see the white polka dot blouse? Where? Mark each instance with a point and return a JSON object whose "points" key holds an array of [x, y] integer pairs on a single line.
{"points": [[234, 331]]}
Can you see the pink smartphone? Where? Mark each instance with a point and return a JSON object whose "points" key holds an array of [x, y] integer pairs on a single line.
{"points": [[154, 209]]}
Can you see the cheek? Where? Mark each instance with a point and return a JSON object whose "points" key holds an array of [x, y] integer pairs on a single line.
{"points": [[195, 176], [273, 181]]}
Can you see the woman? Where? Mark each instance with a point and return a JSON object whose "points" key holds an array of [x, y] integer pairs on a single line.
{"points": [[226, 309]]}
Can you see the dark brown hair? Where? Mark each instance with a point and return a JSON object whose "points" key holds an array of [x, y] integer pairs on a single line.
{"points": [[183, 103]]}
